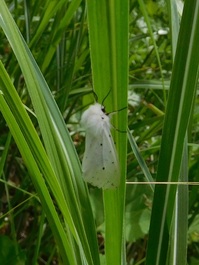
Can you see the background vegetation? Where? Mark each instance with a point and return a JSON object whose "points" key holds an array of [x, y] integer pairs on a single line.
{"points": [[47, 213]]}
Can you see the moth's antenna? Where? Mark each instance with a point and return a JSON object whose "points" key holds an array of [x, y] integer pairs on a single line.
{"points": [[95, 96], [112, 112], [106, 97]]}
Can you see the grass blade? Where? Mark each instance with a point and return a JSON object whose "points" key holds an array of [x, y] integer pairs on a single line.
{"points": [[58, 143], [108, 30], [179, 106]]}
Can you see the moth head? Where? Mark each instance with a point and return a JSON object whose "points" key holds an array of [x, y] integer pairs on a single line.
{"points": [[103, 109]]}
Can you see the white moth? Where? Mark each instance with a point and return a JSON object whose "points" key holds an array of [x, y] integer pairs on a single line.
{"points": [[100, 164]]}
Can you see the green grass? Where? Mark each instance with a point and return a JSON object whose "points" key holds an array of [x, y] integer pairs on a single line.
{"points": [[53, 55]]}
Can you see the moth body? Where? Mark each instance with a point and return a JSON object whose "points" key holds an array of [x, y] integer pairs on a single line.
{"points": [[100, 166]]}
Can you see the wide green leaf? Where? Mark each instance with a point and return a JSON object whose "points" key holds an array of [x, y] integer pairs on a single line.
{"points": [[108, 32]]}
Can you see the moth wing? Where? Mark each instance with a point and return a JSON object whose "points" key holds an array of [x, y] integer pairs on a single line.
{"points": [[100, 164], [110, 161], [93, 160]]}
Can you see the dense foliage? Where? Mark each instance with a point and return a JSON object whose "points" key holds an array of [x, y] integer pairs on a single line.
{"points": [[58, 38]]}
